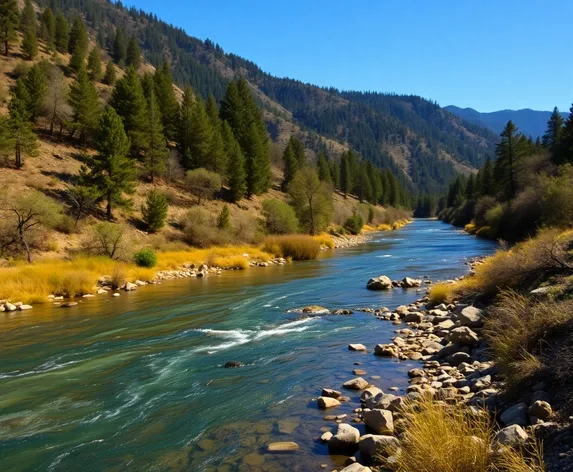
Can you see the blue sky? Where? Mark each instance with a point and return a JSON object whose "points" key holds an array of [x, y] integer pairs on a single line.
{"points": [[483, 54]]}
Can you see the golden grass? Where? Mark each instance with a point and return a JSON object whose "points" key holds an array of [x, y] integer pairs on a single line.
{"points": [[298, 247], [384, 227], [324, 240], [438, 437], [470, 228], [441, 293]]}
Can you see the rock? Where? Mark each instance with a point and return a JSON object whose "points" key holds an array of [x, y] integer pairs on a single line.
{"points": [[370, 392], [373, 445], [315, 310], [541, 410], [287, 426], [359, 372], [511, 436], [328, 392], [233, 364], [402, 310], [116, 294], [327, 436], [101, 291], [458, 358], [463, 336], [515, 415], [379, 421], [356, 347], [356, 384], [408, 282], [129, 287], [342, 312], [379, 283], [446, 324], [414, 317], [10, 307], [68, 304], [471, 316], [386, 350], [356, 467], [285, 446], [383, 401], [25, 307], [416, 373], [345, 441], [327, 402]]}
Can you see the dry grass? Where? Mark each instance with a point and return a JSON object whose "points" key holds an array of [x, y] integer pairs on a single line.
{"points": [[450, 438], [441, 293], [324, 240], [298, 247]]}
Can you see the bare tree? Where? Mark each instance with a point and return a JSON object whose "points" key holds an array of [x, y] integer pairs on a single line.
{"points": [[56, 107]]}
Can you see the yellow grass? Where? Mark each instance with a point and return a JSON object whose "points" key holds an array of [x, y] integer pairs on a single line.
{"points": [[324, 240], [441, 293], [384, 227], [298, 247], [470, 228]]}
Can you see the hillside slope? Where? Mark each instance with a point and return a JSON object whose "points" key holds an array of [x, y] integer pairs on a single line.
{"points": [[412, 136]]}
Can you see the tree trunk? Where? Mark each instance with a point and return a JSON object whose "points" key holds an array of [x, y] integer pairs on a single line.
{"points": [[25, 244], [6, 47], [108, 210]]}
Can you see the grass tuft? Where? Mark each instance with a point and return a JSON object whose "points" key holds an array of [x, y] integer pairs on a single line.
{"points": [[298, 247], [441, 293]]}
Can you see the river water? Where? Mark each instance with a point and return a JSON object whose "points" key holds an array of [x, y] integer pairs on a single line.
{"points": [[136, 382]]}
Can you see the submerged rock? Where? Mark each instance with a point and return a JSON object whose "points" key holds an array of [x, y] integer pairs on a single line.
{"points": [[284, 446], [315, 310], [233, 364]]}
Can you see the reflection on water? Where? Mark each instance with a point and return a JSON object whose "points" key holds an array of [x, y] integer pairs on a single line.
{"points": [[137, 383]]}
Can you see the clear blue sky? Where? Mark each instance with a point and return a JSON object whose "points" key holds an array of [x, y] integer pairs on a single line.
{"points": [[484, 54]]}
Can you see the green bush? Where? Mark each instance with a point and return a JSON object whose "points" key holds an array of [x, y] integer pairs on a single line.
{"points": [[354, 224], [280, 218], [154, 211], [145, 258]]}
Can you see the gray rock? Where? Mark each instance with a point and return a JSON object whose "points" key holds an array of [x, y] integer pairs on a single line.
{"points": [[383, 401], [329, 392], [379, 421], [326, 437], [515, 415], [414, 317], [370, 392], [379, 283], [463, 336], [356, 467], [327, 402], [458, 358], [356, 347], [386, 350], [345, 441], [409, 283], [356, 384], [471, 316], [10, 306], [511, 436], [373, 445]]}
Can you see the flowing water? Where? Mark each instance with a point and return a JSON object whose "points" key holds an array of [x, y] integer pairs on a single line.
{"points": [[136, 382]]}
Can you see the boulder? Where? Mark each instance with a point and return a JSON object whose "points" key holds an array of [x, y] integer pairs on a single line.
{"points": [[515, 415], [415, 317], [407, 282], [412, 373], [345, 441], [10, 306], [25, 307], [446, 324], [540, 410], [356, 347], [471, 316], [315, 310], [511, 436], [370, 392], [458, 358], [356, 467], [379, 283], [284, 446], [373, 445], [463, 336], [329, 392], [386, 350], [402, 310], [327, 402], [383, 401], [326, 437], [356, 384], [129, 287], [379, 421]]}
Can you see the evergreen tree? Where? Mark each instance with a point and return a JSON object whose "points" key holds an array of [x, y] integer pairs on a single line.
{"points": [[217, 157], [154, 211], [16, 135], [395, 197], [85, 105], [20, 91], [554, 130], [471, 188], [335, 173], [224, 219], [508, 153], [9, 17], [110, 74], [129, 102], [232, 111], [29, 27], [167, 101], [119, 50], [62, 33], [212, 111], [290, 165], [198, 137], [254, 155], [111, 171], [487, 182], [133, 54], [94, 64], [237, 177], [48, 22], [323, 169], [156, 151], [36, 86], [345, 178], [299, 151], [78, 44]]}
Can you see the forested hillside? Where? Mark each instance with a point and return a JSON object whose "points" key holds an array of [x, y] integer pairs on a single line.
{"points": [[421, 143]]}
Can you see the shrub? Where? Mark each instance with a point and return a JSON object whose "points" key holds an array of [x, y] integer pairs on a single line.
{"points": [[21, 69], [312, 200], [203, 183], [224, 219], [280, 218], [66, 225], [199, 230], [145, 258], [119, 276], [557, 201], [298, 247], [354, 224], [493, 219], [324, 240], [482, 206], [370, 215], [441, 293], [107, 239], [154, 211]]}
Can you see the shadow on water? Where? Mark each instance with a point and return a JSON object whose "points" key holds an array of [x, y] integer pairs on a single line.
{"points": [[137, 383]]}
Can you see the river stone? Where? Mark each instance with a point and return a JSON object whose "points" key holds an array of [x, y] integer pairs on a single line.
{"points": [[540, 410], [356, 467], [253, 459], [511, 436], [415, 317], [116, 294], [356, 347], [356, 384], [384, 401], [10, 306], [515, 415], [463, 336], [446, 324], [327, 402], [287, 426], [379, 421], [25, 307], [379, 283], [68, 304], [285, 446], [471, 316], [402, 310], [345, 441], [129, 287], [373, 445], [412, 373], [458, 358], [328, 392], [326, 436], [315, 309], [386, 350], [370, 392], [233, 364], [408, 282]]}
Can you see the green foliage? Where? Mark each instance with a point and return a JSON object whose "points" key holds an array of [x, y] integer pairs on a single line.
{"points": [[111, 171], [554, 131], [166, 100], [16, 135], [119, 50], [156, 150], [324, 173], [133, 54], [145, 258], [83, 199], [37, 87], [203, 183], [280, 218], [110, 74], [290, 165], [508, 153], [107, 239], [29, 27], [224, 219], [48, 28], [371, 215], [354, 224], [62, 36], [85, 105], [236, 175], [154, 211], [94, 64], [9, 18]]}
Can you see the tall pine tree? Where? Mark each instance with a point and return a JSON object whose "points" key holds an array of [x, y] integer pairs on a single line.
{"points": [[84, 102], [94, 64], [508, 153], [133, 54], [29, 27], [167, 101], [49, 28], [9, 18], [290, 165], [156, 151], [236, 175], [62, 33]]}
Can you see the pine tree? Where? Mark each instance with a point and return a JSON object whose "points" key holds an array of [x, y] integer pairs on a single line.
{"points": [[129, 102], [94, 64], [48, 21], [110, 74], [199, 137], [394, 198], [36, 86], [156, 151], [212, 111], [9, 18], [235, 164], [20, 91], [232, 111], [119, 50], [487, 182], [554, 132], [78, 38], [29, 27], [253, 152], [299, 151], [111, 171], [167, 101], [184, 127], [290, 165], [345, 178], [217, 157], [154, 211], [62, 33], [16, 135], [323, 169], [224, 219], [85, 105], [508, 153], [133, 54]]}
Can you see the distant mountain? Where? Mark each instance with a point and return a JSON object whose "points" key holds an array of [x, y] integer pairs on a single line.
{"points": [[530, 122]]}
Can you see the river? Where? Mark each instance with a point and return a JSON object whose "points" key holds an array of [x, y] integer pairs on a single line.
{"points": [[136, 382]]}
